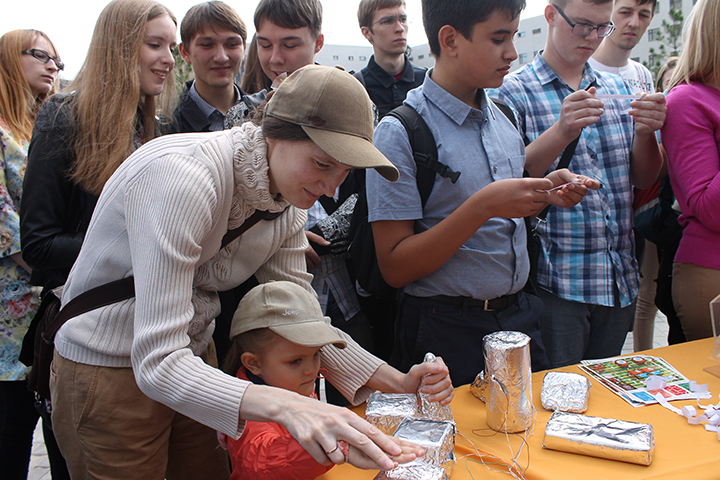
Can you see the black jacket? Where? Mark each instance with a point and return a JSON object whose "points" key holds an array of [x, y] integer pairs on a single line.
{"points": [[188, 118], [54, 212], [386, 92]]}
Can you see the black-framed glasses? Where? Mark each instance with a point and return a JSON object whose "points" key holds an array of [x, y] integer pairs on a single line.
{"points": [[585, 29], [390, 21], [44, 57]]}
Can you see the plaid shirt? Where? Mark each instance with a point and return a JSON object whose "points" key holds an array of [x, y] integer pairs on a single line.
{"points": [[590, 248], [331, 275]]}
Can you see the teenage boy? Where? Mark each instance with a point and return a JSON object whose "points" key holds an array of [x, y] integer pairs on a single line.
{"points": [[631, 19], [389, 75], [587, 271], [288, 35], [462, 259], [213, 44]]}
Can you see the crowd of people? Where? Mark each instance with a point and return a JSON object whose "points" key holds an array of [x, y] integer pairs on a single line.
{"points": [[229, 208]]}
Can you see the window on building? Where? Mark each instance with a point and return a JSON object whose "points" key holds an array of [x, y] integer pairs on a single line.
{"points": [[351, 58], [523, 58], [335, 57], [420, 57], [635, 59], [362, 58], [657, 8], [535, 53], [537, 30], [676, 5], [653, 34], [522, 34], [411, 59]]}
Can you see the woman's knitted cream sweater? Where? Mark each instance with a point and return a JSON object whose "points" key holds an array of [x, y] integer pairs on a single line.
{"points": [[161, 218]]}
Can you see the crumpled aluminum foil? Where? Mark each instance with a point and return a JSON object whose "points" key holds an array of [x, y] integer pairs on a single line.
{"points": [[600, 437], [436, 438], [564, 391], [387, 410], [479, 386], [509, 381], [433, 410], [414, 471]]}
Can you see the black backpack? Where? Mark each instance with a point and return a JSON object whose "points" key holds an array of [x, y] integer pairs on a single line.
{"points": [[362, 249]]}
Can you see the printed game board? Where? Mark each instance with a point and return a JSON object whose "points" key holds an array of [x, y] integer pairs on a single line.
{"points": [[626, 376]]}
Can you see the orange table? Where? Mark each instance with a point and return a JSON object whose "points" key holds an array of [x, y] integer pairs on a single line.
{"points": [[682, 451]]}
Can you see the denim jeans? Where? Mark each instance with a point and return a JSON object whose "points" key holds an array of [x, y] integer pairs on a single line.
{"points": [[574, 331]]}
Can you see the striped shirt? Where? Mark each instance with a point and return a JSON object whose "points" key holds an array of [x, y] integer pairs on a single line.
{"points": [[590, 248]]}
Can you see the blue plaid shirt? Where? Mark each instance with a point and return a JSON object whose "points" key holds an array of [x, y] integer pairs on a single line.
{"points": [[590, 248]]}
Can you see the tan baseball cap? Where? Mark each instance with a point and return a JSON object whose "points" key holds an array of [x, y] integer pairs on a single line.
{"points": [[288, 310], [334, 110]]}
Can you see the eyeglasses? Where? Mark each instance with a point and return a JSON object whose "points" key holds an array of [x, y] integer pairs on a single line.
{"points": [[391, 21], [585, 29], [44, 57]]}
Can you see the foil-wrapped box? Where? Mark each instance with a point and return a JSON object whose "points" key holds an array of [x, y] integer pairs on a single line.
{"points": [[387, 410], [432, 410], [567, 392], [600, 437], [509, 381], [436, 438], [414, 471]]}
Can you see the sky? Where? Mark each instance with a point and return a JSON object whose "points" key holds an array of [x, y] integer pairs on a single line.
{"points": [[70, 24]]}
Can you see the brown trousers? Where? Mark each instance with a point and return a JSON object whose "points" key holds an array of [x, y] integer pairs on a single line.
{"points": [[108, 429], [693, 287]]}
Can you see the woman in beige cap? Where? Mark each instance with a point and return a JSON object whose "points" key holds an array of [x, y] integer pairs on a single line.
{"points": [[134, 388]]}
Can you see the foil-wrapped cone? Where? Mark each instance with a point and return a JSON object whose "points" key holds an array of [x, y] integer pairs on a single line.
{"points": [[433, 410], [436, 438], [509, 384], [414, 471], [567, 392], [387, 410], [479, 386], [600, 437]]}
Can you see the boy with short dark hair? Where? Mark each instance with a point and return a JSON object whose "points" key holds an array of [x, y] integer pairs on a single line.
{"points": [[288, 35], [462, 260], [389, 75], [213, 44]]}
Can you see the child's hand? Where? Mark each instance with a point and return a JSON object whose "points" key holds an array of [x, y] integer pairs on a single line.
{"points": [[435, 378], [410, 452]]}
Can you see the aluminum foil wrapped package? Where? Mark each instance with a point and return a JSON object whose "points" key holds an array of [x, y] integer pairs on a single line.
{"points": [[509, 381], [433, 410], [436, 438], [600, 437], [479, 386], [414, 471], [387, 410], [567, 392]]}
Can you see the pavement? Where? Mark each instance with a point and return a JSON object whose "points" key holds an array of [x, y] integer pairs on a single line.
{"points": [[40, 468]]}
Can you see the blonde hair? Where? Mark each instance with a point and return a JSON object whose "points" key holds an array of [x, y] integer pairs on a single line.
{"points": [[17, 105], [108, 100], [700, 60]]}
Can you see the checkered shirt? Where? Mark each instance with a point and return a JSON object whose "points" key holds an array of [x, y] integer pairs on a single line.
{"points": [[589, 248]]}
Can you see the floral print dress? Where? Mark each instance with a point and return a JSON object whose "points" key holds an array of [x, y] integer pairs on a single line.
{"points": [[18, 299]]}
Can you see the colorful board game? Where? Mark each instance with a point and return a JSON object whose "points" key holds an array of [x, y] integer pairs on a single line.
{"points": [[628, 377]]}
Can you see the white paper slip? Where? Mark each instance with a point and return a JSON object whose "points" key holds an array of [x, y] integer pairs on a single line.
{"points": [[610, 96]]}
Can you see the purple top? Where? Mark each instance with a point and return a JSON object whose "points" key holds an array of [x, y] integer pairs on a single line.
{"points": [[691, 136]]}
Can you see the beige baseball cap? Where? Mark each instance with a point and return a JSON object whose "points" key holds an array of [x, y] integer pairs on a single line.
{"points": [[334, 110], [288, 310]]}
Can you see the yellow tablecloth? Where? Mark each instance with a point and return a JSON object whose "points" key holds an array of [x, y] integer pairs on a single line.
{"points": [[682, 451]]}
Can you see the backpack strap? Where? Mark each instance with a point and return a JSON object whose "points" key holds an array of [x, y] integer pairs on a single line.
{"points": [[424, 150]]}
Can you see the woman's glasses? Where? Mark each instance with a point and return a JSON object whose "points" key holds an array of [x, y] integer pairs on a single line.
{"points": [[44, 57]]}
